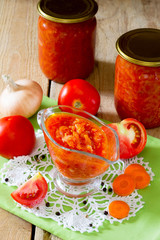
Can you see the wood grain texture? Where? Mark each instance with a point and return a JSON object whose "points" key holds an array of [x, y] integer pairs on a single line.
{"points": [[13, 228], [43, 235], [18, 41], [19, 58]]}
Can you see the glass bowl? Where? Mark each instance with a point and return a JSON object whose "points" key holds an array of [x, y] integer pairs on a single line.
{"points": [[79, 147]]}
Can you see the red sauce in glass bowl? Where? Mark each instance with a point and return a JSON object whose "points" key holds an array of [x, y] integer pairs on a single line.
{"points": [[80, 134], [66, 38]]}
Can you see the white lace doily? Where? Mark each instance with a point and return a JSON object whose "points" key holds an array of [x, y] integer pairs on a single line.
{"points": [[78, 214]]}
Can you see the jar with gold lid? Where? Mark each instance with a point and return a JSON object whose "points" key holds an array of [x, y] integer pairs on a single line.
{"points": [[66, 38], [137, 76]]}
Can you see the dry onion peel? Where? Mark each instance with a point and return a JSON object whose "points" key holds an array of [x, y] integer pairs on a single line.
{"points": [[22, 97]]}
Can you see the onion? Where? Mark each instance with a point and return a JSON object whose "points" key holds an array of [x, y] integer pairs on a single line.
{"points": [[22, 97]]}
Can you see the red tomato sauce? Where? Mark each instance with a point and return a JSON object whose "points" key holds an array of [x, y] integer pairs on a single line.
{"points": [[137, 92], [80, 134], [66, 51]]}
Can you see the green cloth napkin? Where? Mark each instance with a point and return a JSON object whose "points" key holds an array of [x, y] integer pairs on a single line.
{"points": [[144, 226]]}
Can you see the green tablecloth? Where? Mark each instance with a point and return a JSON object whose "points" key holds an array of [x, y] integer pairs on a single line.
{"points": [[144, 226]]}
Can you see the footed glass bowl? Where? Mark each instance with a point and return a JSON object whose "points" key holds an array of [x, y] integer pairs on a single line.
{"points": [[79, 147]]}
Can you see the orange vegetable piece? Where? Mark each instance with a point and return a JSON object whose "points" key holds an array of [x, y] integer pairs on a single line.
{"points": [[139, 174], [133, 167], [119, 209], [141, 178], [124, 185]]}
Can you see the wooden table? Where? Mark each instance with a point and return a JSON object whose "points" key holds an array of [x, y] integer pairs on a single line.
{"points": [[19, 59]]}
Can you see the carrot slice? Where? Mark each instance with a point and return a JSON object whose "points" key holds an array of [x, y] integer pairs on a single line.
{"points": [[119, 209], [123, 185], [141, 178], [133, 167]]}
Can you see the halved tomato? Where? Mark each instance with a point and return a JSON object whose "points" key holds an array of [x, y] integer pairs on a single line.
{"points": [[132, 137], [32, 192]]}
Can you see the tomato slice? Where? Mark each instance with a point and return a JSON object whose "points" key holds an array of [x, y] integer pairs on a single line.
{"points": [[32, 192], [132, 137]]}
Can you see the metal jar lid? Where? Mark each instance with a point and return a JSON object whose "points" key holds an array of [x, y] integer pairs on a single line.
{"points": [[67, 11], [140, 46]]}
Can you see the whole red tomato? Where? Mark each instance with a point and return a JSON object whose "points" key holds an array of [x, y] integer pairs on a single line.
{"points": [[132, 137], [17, 136], [80, 94]]}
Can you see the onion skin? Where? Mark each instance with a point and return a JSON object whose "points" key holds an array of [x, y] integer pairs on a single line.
{"points": [[22, 97]]}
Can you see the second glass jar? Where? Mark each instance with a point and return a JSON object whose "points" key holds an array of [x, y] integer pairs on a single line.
{"points": [[137, 76]]}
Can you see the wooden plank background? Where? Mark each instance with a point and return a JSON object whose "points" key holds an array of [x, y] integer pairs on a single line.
{"points": [[19, 59]]}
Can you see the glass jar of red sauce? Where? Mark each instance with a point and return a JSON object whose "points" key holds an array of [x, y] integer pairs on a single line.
{"points": [[66, 38], [137, 76]]}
